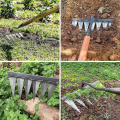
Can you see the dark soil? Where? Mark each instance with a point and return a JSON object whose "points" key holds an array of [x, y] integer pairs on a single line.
{"points": [[103, 109], [104, 44]]}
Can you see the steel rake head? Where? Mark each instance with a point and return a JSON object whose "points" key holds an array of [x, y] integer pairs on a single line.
{"points": [[79, 100], [34, 80], [96, 22], [14, 36]]}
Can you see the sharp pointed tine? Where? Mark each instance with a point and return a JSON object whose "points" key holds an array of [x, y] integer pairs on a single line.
{"points": [[8, 37], [27, 87], [11, 37], [74, 23], [98, 25], [110, 23], [17, 35], [72, 104], [35, 88], [51, 89], [89, 101], [20, 82], [81, 102], [12, 84], [94, 98], [104, 24], [80, 24], [14, 36], [21, 34], [93, 25], [86, 24], [43, 89]]}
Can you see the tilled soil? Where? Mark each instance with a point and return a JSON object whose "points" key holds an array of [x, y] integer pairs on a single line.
{"points": [[104, 44], [103, 109]]}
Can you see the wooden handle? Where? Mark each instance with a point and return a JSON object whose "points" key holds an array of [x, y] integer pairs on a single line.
{"points": [[84, 49], [40, 16]]}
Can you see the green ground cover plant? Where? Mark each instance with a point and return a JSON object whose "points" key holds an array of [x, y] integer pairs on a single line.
{"points": [[11, 108]]}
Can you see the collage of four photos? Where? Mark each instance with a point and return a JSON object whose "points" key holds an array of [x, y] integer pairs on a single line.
{"points": [[59, 59]]}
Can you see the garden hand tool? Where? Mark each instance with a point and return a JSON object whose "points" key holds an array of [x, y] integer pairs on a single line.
{"points": [[89, 25], [18, 35], [46, 82], [110, 90], [79, 100]]}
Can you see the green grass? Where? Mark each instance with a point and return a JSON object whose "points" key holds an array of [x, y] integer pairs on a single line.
{"points": [[90, 71]]}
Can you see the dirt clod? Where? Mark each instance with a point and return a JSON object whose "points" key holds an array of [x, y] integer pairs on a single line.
{"points": [[74, 39], [104, 16]]}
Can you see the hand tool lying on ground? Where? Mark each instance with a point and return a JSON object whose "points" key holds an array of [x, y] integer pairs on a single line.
{"points": [[18, 35], [89, 25], [35, 81], [79, 97]]}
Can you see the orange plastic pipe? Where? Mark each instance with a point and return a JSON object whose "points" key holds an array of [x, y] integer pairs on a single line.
{"points": [[84, 49]]}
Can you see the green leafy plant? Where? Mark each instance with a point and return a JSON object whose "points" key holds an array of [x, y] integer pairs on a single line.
{"points": [[29, 4], [8, 10]]}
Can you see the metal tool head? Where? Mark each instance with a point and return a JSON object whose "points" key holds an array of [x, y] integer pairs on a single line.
{"points": [[79, 100], [96, 22], [14, 36], [32, 80]]}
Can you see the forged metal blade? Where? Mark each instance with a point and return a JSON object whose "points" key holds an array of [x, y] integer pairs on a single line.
{"points": [[21, 34], [94, 98], [20, 82], [80, 24], [72, 104], [98, 25], [51, 89], [11, 37], [104, 24], [35, 88], [93, 25], [74, 23], [43, 89], [17, 35], [86, 24], [14, 36], [12, 84], [110, 23], [89, 101], [81, 102], [8, 37], [27, 87]]}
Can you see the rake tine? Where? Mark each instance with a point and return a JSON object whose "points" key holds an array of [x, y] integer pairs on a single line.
{"points": [[98, 24], [80, 24], [43, 89], [27, 87], [35, 88], [86, 24], [74, 23], [81, 102], [12, 84], [93, 25], [51, 89], [14, 36], [89, 101], [104, 24], [17, 35], [72, 104], [21, 34], [11, 37], [20, 86], [8, 37]]}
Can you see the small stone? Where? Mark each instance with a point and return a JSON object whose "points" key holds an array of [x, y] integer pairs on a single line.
{"points": [[104, 16], [98, 40], [74, 39], [101, 9]]}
